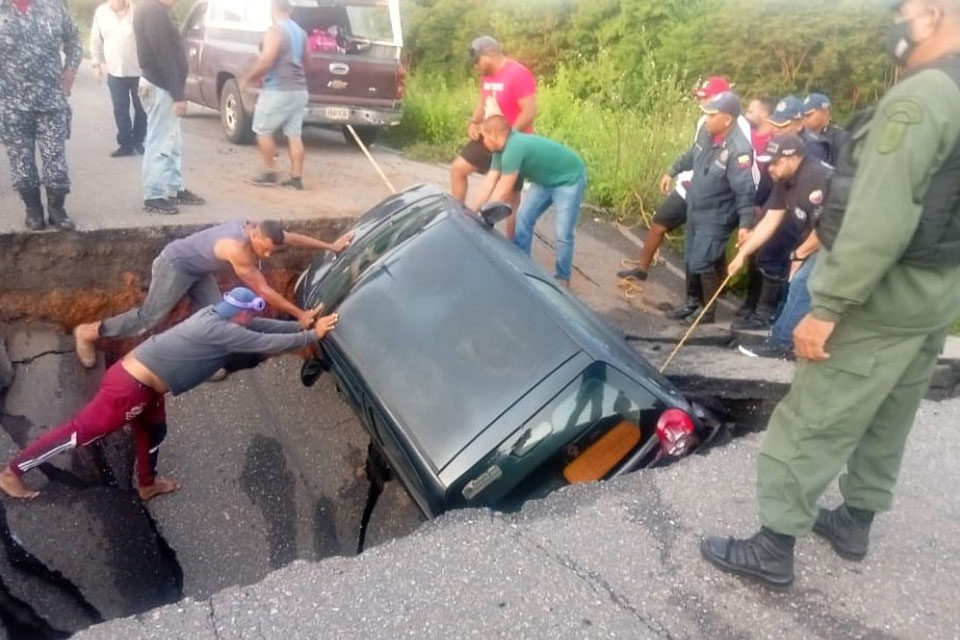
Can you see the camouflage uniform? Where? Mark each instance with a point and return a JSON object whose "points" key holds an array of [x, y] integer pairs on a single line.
{"points": [[33, 108]]}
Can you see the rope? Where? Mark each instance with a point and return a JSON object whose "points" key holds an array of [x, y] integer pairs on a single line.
{"points": [[696, 322]]}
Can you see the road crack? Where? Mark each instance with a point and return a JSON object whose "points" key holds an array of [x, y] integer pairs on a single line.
{"points": [[596, 582], [42, 354], [212, 617]]}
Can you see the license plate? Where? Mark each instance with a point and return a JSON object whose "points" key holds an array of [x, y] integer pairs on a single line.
{"points": [[337, 113]]}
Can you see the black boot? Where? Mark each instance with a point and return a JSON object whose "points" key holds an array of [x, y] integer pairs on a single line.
{"points": [[709, 283], [55, 211], [767, 556], [34, 206], [693, 299], [754, 286], [771, 290], [847, 529]]}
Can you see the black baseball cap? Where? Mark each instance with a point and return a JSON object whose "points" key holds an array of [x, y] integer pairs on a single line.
{"points": [[726, 102], [782, 146]]}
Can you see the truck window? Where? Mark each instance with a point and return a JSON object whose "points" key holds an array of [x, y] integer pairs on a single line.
{"points": [[370, 22], [195, 22]]}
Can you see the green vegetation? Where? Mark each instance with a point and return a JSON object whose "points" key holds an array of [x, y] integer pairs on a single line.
{"points": [[615, 75]]}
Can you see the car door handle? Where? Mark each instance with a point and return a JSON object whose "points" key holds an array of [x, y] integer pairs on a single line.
{"points": [[339, 68]]}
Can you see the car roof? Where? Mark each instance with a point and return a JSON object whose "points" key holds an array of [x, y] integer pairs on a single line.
{"points": [[451, 328], [445, 340]]}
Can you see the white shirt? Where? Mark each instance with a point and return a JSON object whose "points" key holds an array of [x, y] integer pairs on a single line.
{"points": [[112, 43]]}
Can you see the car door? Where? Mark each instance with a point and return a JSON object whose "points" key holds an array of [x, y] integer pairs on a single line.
{"points": [[194, 28]]}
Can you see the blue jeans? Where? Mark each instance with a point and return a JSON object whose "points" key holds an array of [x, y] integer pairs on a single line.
{"points": [[123, 94], [566, 199], [796, 306], [162, 175]]}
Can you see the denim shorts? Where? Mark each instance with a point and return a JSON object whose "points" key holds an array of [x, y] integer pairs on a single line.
{"points": [[279, 109]]}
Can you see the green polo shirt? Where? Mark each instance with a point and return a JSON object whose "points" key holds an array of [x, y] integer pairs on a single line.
{"points": [[539, 160]]}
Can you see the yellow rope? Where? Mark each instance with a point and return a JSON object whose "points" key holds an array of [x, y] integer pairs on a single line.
{"points": [[697, 321]]}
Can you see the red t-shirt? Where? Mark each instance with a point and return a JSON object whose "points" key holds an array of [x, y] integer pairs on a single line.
{"points": [[760, 140], [502, 91]]}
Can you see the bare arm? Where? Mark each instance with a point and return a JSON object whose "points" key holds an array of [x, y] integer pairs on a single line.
{"points": [[301, 241], [241, 261], [761, 233], [809, 246], [473, 127], [486, 189], [528, 112], [268, 55]]}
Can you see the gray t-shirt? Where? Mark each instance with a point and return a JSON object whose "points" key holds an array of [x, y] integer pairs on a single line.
{"points": [[193, 255], [192, 351]]}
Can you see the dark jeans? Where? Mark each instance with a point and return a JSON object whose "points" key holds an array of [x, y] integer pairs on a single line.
{"points": [[123, 92]]}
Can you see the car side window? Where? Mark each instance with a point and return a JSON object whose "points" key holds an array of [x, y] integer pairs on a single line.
{"points": [[367, 250]]}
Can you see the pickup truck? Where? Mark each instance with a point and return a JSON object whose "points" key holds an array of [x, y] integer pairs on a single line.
{"points": [[357, 77]]}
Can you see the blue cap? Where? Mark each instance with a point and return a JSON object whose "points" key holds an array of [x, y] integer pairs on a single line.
{"points": [[788, 109], [239, 299], [815, 101], [726, 102]]}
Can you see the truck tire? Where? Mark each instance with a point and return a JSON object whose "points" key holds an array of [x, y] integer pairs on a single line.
{"points": [[234, 118], [367, 135]]}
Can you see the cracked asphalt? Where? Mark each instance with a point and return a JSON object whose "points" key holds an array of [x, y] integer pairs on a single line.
{"points": [[259, 533]]}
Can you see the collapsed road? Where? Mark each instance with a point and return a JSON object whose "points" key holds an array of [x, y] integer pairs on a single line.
{"points": [[272, 472]]}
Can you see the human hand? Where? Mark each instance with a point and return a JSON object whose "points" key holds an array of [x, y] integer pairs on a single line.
{"points": [[98, 69], [473, 130], [794, 267], [736, 264], [742, 236], [666, 182], [810, 338], [66, 80], [342, 242], [243, 84], [180, 108], [325, 325]]}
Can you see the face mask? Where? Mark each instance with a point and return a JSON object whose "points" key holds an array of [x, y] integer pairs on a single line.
{"points": [[900, 43]]}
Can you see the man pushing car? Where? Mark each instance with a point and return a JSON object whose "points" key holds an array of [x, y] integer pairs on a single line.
{"points": [[132, 390]]}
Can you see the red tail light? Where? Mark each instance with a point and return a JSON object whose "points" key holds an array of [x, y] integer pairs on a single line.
{"points": [[676, 432], [401, 81]]}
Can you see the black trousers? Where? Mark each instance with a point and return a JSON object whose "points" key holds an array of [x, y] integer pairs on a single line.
{"points": [[123, 93]]}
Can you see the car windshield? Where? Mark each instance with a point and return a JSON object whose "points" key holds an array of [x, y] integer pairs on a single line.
{"points": [[364, 252], [585, 433]]}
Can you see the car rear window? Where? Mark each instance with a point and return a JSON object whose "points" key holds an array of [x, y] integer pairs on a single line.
{"points": [[585, 433]]}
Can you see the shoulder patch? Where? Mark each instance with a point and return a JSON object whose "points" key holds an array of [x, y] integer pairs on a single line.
{"points": [[900, 116], [816, 197], [744, 161]]}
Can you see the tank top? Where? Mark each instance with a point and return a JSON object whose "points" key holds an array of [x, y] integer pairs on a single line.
{"points": [[193, 255], [287, 72]]}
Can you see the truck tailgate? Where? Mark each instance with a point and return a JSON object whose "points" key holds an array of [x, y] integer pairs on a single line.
{"points": [[353, 79]]}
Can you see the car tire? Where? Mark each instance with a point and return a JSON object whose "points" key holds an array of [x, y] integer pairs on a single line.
{"points": [[237, 122], [311, 370], [367, 135]]}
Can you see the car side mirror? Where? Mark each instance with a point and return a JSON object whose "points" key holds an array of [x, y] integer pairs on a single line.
{"points": [[494, 212]]}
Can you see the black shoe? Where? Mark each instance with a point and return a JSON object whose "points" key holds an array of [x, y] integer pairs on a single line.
{"points": [[162, 206], [767, 557], [265, 179], [187, 197], [56, 213], [293, 182], [848, 532], [34, 208], [122, 152], [745, 311], [637, 273], [768, 349], [708, 318], [691, 307], [753, 322], [138, 149]]}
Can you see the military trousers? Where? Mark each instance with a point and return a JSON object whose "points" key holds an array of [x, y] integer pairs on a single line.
{"points": [[22, 132], [855, 410]]}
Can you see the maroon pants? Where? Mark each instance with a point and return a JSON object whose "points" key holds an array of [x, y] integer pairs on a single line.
{"points": [[121, 400]]}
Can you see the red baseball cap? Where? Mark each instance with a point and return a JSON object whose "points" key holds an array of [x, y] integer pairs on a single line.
{"points": [[711, 87]]}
